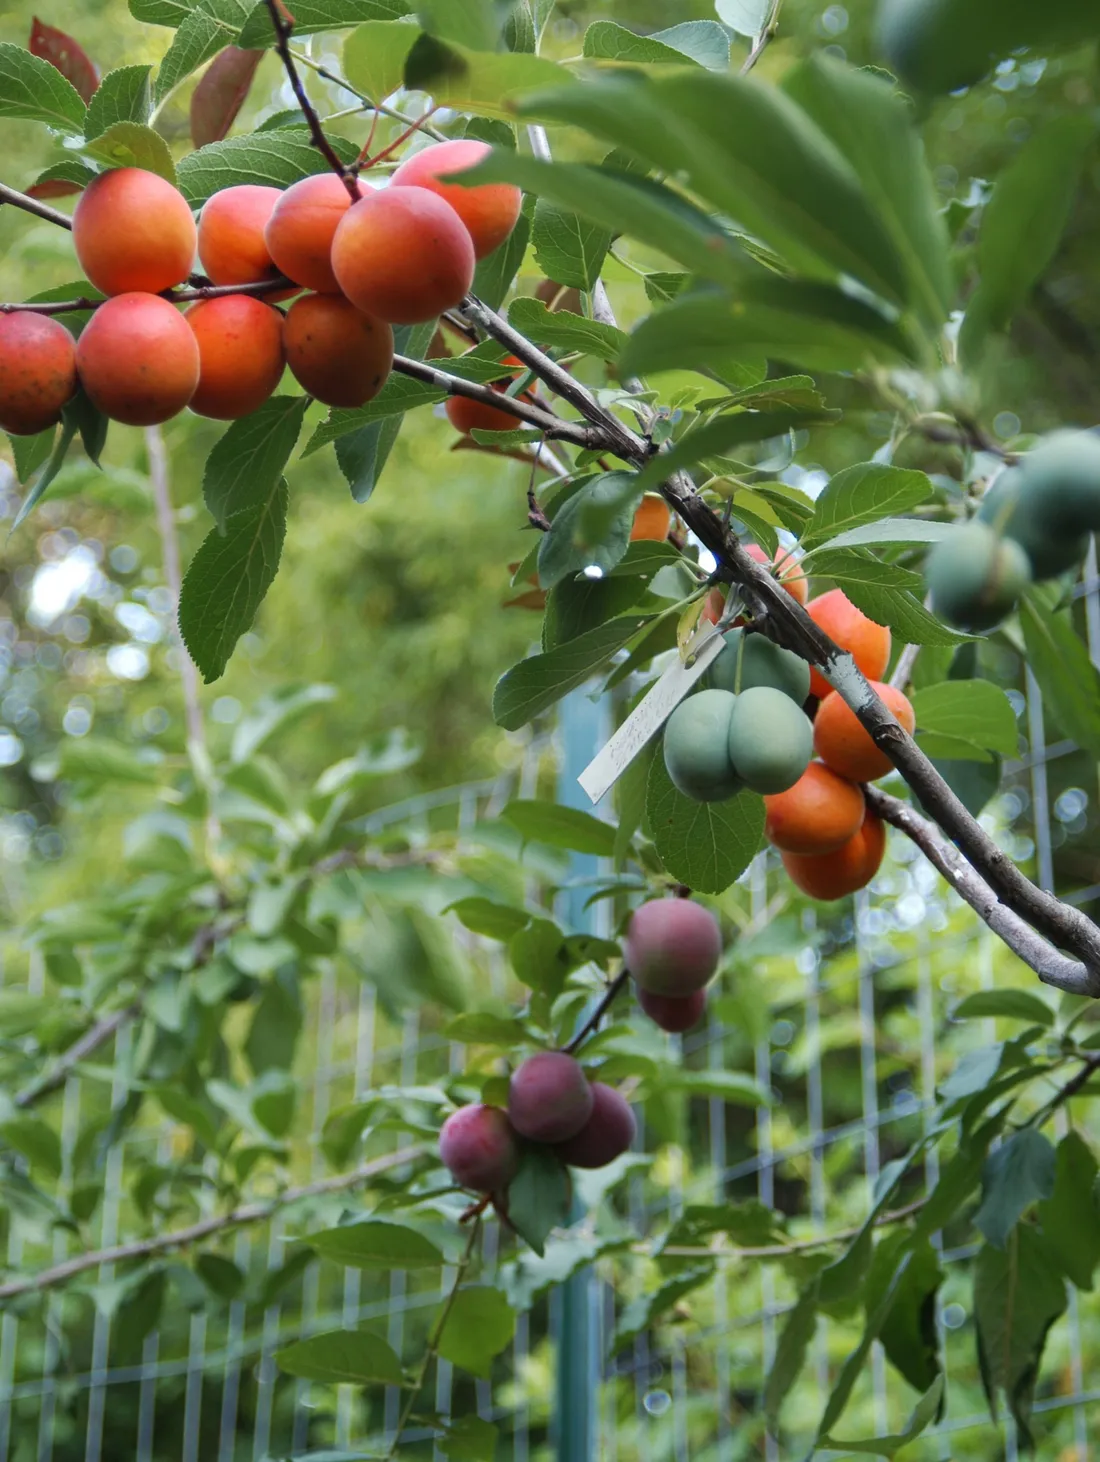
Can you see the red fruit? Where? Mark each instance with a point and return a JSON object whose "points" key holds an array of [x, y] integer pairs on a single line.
{"points": [[672, 947], [138, 359], [479, 1147], [231, 234], [241, 357], [851, 867], [133, 231], [300, 231], [404, 255], [337, 353], [606, 1135], [549, 1098], [489, 210], [464, 415], [672, 1013], [37, 371]]}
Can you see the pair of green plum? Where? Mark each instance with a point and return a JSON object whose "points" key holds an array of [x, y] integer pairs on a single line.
{"points": [[746, 728], [1034, 523]]}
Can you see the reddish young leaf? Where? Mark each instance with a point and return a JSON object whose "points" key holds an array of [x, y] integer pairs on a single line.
{"points": [[53, 188], [68, 56], [221, 94]]}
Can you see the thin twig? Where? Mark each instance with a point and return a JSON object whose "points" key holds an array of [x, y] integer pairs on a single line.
{"points": [[364, 162], [763, 40], [783, 1251], [207, 1228], [173, 579], [606, 1002], [55, 1078], [173, 296], [341, 81], [904, 668], [283, 26], [32, 205]]}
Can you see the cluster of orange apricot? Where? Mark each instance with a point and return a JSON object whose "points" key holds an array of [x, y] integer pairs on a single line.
{"points": [[671, 949], [401, 254]]}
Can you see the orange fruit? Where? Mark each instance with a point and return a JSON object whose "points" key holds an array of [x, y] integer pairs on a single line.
{"points": [[791, 574], [652, 520], [817, 815], [867, 642], [835, 875], [843, 744]]}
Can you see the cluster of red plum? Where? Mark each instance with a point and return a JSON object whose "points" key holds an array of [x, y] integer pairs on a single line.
{"points": [[672, 949], [401, 254]]}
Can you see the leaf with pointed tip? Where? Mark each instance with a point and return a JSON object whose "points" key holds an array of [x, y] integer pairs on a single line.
{"points": [[341, 1357], [479, 1324], [276, 158], [32, 89], [221, 93], [705, 845], [124, 95], [245, 465], [67, 55]]}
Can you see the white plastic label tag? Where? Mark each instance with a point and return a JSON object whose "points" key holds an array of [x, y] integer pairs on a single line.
{"points": [[646, 719]]}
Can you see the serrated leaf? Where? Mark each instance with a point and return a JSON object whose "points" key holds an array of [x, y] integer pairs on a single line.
{"points": [[313, 16], [565, 331], [276, 158], [731, 429], [468, 1439], [473, 23], [705, 845], [479, 1325], [591, 529], [61, 179], [539, 957], [561, 827], [863, 494], [211, 26], [975, 712], [700, 41], [733, 1087], [889, 530], [227, 580], [162, 12], [539, 1196], [540, 681], [569, 249], [488, 918], [746, 17], [487, 83], [132, 145], [496, 273], [32, 89], [124, 95], [245, 465], [1069, 1217], [375, 1245], [901, 611], [375, 54], [1018, 1174], [1005, 1005], [482, 1028], [341, 1357], [908, 1333], [29, 453]]}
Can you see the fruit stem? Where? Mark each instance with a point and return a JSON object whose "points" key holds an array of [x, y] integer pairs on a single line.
{"points": [[32, 205], [600, 1011]]}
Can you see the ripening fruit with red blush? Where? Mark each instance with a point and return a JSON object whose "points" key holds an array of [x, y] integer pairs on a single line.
{"points": [[404, 255], [489, 210], [790, 572], [241, 357], [842, 742], [835, 875], [606, 1135], [672, 947], [868, 643], [817, 815], [465, 414], [37, 372], [549, 1097], [479, 1148], [652, 520], [133, 231], [672, 1013], [337, 353], [302, 226], [138, 359], [231, 234]]}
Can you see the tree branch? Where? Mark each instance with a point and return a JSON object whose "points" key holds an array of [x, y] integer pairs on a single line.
{"points": [[207, 1228], [606, 1002], [32, 205], [1052, 968], [763, 40], [173, 296], [283, 25], [90, 1041]]}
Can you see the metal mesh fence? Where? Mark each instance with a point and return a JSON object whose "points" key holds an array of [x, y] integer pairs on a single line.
{"points": [[852, 1033]]}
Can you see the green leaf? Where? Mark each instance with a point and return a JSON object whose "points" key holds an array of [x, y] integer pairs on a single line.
{"points": [[746, 17], [220, 1275], [972, 711], [565, 331], [591, 529], [474, 23], [873, 127], [856, 1362], [314, 16], [33, 89], [1018, 1295], [1006, 1005], [539, 957], [364, 452], [701, 41], [1023, 223], [889, 530], [124, 95], [751, 152], [38, 488], [799, 1329], [274, 158], [731, 429], [539, 1197], [483, 1028], [375, 1245], [274, 712], [569, 249], [246, 464], [855, 566], [29, 453], [375, 54], [908, 1333], [863, 494], [924, 1413], [493, 920], [227, 580], [479, 1325], [1018, 1174], [132, 145], [641, 1313], [809, 325], [625, 203], [36, 1141], [901, 611], [162, 12], [561, 827], [1060, 663], [487, 83], [705, 845], [1069, 1216], [70, 170], [496, 273], [578, 605], [733, 1087], [341, 1357], [469, 1439], [208, 28], [540, 681]]}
